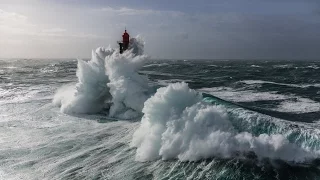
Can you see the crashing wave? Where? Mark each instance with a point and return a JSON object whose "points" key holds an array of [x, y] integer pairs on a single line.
{"points": [[178, 124], [109, 77], [91, 92], [129, 90]]}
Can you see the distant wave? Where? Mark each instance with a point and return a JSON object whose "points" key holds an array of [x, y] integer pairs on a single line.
{"points": [[157, 73], [283, 66], [289, 103], [282, 84], [255, 66], [313, 67], [242, 95], [299, 105], [297, 67], [167, 82], [156, 65]]}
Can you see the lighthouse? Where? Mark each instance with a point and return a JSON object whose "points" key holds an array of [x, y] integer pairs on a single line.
{"points": [[124, 45]]}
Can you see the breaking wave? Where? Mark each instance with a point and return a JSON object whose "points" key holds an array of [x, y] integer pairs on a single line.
{"points": [[128, 89], [176, 123], [108, 79], [91, 91]]}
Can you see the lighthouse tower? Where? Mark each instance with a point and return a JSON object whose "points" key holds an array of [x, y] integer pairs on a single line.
{"points": [[124, 45]]}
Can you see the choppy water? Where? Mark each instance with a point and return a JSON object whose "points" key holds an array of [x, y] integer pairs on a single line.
{"points": [[37, 141]]}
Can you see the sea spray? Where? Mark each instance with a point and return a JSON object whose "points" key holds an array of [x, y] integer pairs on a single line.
{"points": [[91, 91], [137, 45], [109, 77], [129, 90], [177, 124]]}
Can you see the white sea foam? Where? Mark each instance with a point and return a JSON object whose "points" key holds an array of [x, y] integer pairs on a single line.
{"points": [[255, 66], [177, 124], [156, 65], [251, 82], [299, 105], [108, 76], [129, 90], [241, 95], [91, 91], [169, 81], [289, 103], [282, 66], [2, 175], [313, 66], [20, 95]]}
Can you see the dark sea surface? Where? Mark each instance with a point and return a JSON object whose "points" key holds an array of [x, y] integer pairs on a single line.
{"points": [[37, 141]]}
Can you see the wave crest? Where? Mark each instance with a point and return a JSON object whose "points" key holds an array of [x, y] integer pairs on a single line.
{"points": [[177, 124]]}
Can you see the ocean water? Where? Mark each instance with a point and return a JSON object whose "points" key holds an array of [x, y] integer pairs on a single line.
{"points": [[231, 119]]}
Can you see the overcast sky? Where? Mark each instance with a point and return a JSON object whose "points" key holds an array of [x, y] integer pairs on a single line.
{"points": [[214, 29]]}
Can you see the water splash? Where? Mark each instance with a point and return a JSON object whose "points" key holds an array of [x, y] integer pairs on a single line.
{"points": [[178, 124], [108, 79], [91, 92]]}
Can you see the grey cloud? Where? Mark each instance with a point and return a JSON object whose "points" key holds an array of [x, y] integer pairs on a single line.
{"points": [[182, 36]]}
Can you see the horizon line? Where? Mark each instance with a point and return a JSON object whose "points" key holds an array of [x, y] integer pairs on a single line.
{"points": [[85, 58]]}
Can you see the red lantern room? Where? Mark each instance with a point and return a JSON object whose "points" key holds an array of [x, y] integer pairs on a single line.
{"points": [[125, 37], [124, 45], [125, 40]]}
